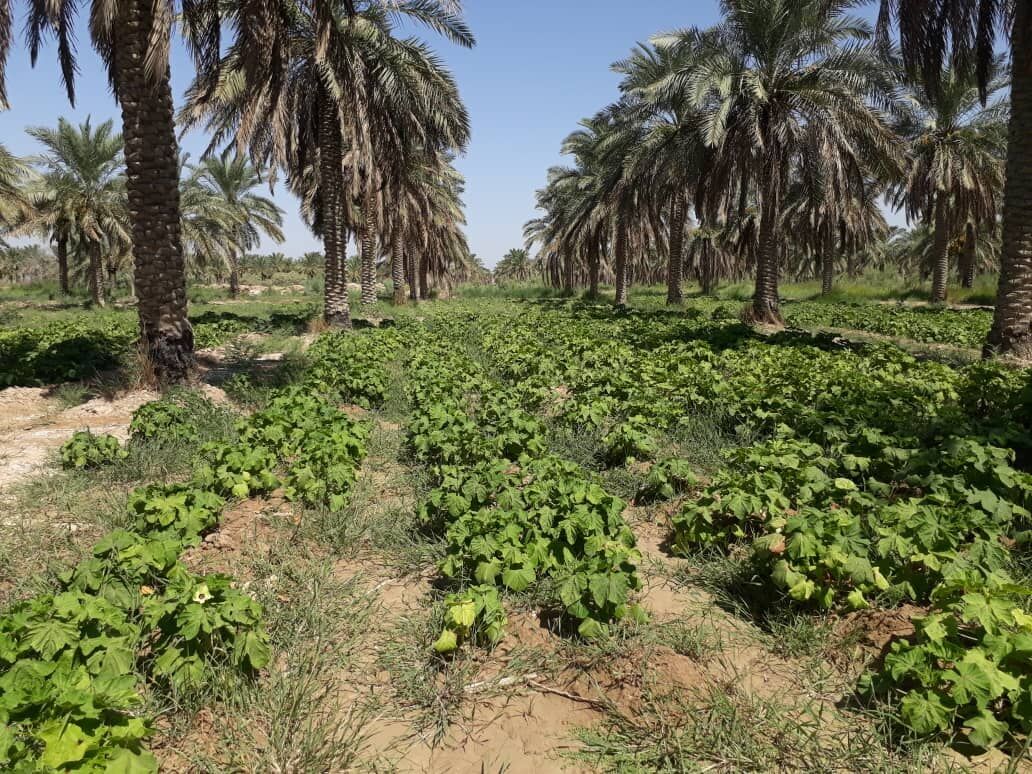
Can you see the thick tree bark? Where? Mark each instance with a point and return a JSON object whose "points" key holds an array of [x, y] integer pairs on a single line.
{"points": [[1011, 333], [940, 250], [594, 268], [621, 264], [398, 271], [413, 280], [828, 263], [424, 278], [337, 312], [569, 273], [234, 276], [152, 184], [112, 281], [62, 265], [967, 257], [368, 256], [766, 305], [706, 269], [674, 260], [95, 272]]}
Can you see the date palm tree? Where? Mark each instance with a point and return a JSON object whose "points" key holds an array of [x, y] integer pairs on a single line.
{"points": [[771, 69], [927, 27], [233, 179], [342, 98], [80, 195], [956, 150]]}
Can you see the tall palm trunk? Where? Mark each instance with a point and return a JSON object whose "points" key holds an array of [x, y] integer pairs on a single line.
{"points": [[95, 272], [1011, 333], [621, 264], [337, 312], [152, 184], [569, 273], [940, 250], [368, 256], [234, 275], [706, 268], [398, 271], [413, 280], [424, 278], [766, 305], [112, 280], [62, 265], [594, 268], [674, 260], [828, 262], [967, 257]]}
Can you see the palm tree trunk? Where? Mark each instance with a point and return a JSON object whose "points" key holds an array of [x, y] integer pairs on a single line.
{"points": [[424, 278], [828, 263], [234, 275], [621, 264], [413, 283], [594, 267], [95, 272], [766, 305], [569, 273], [706, 269], [62, 265], [1011, 333], [112, 281], [337, 312], [152, 183], [398, 271], [967, 257], [674, 260], [368, 256], [940, 250]]}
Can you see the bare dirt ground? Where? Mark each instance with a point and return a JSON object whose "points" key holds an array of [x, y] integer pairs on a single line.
{"points": [[33, 426]]}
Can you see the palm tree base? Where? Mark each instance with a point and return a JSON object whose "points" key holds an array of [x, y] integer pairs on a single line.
{"points": [[765, 314], [170, 357], [1011, 345], [341, 321]]}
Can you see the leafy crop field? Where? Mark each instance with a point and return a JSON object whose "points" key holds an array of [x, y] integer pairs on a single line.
{"points": [[635, 541]]}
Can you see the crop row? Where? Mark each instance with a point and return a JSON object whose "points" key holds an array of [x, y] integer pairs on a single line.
{"points": [[966, 328], [857, 476], [74, 663], [513, 515]]}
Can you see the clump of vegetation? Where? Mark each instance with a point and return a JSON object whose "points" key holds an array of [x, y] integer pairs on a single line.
{"points": [[86, 450]]}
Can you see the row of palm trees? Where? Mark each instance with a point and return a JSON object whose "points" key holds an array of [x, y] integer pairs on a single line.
{"points": [[73, 194], [363, 124], [768, 143]]}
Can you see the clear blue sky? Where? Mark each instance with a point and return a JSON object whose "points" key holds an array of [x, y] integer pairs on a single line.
{"points": [[539, 67]]}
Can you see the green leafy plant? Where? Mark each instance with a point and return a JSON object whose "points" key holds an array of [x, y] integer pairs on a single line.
{"points": [[475, 614], [86, 450]]}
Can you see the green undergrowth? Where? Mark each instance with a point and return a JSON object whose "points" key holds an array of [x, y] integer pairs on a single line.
{"points": [[76, 663]]}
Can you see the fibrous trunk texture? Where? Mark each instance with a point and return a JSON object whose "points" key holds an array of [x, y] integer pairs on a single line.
{"points": [[368, 257], [594, 268], [967, 258], [621, 265], [337, 312], [674, 271], [96, 276], [828, 264], [424, 278], [940, 250], [398, 271], [1011, 333], [62, 265], [152, 184], [766, 305]]}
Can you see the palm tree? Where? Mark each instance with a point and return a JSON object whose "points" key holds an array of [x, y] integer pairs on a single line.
{"points": [[233, 179], [515, 266], [15, 173], [80, 197], [972, 26], [771, 69], [339, 102], [956, 152]]}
